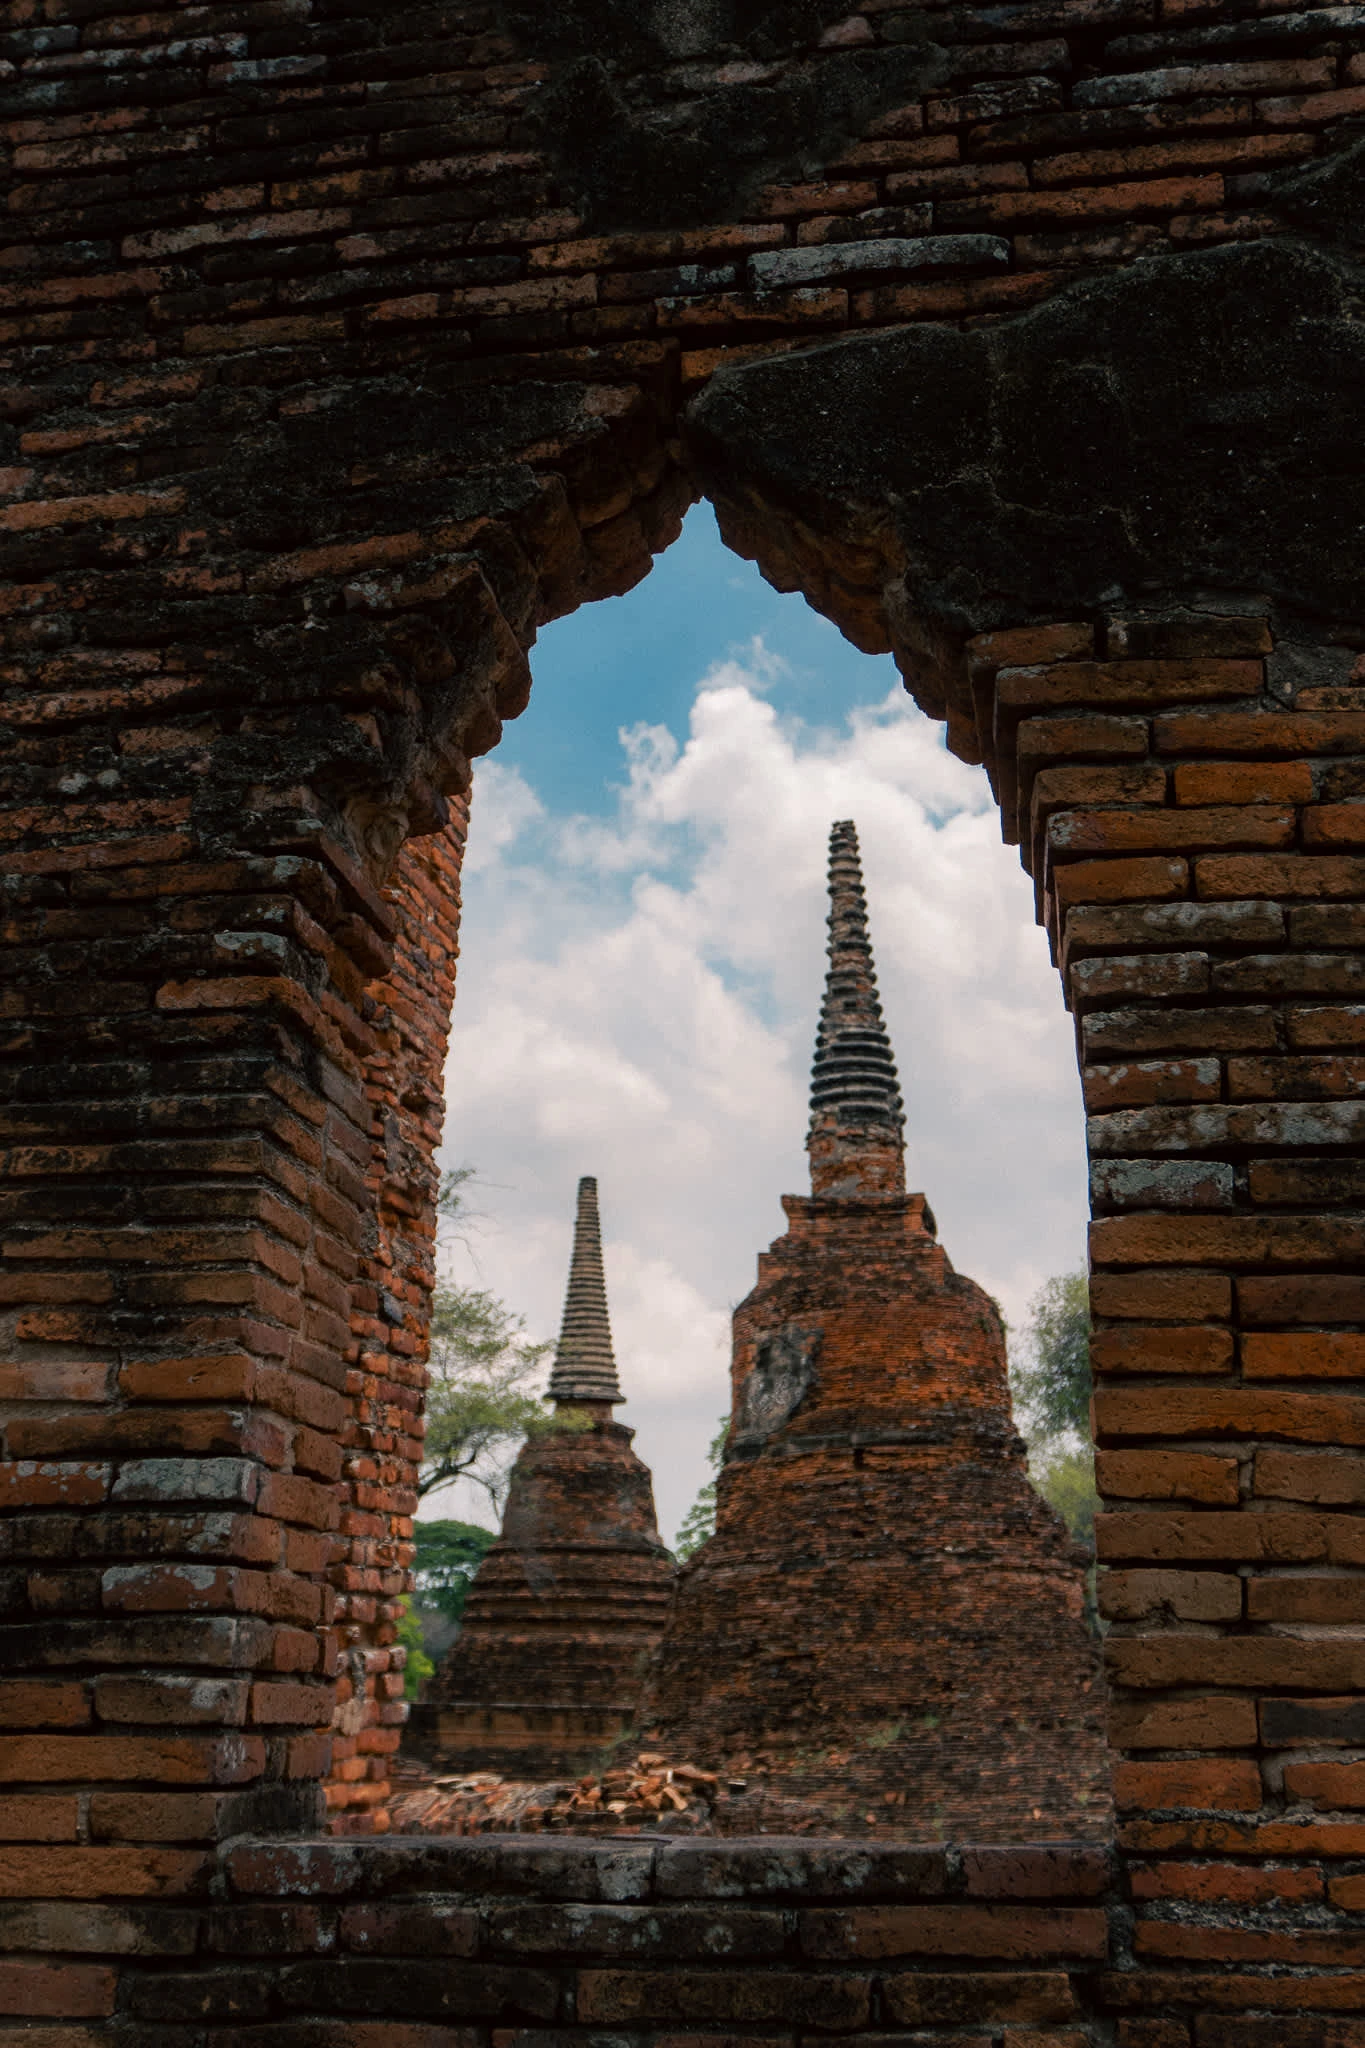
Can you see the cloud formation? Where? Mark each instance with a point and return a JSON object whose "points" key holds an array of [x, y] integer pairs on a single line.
{"points": [[638, 994]]}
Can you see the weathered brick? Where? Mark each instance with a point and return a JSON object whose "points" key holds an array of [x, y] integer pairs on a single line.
{"points": [[56, 1990], [952, 1998], [1166, 1296], [1207, 1721], [828, 2002], [1007, 1933], [1243, 782], [1333, 1477], [1226, 1785], [1310, 1354], [1208, 1410], [1161, 1349], [1134, 1083], [1234, 1028], [1167, 1475], [1183, 1596]]}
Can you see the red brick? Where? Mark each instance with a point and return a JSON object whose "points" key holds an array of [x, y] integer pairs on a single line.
{"points": [[1210, 1537], [1187, 1596], [1005, 210], [1259, 824], [1167, 1475], [1132, 1084], [81, 1873], [38, 1482], [1279, 875], [1003, 1933], [1210, 1884], [1208, 1721], [1161, 1349], [1306, 1597], [1315, 1298], [39, 1818], [1275, 734], [1117, 881], [171, 1760], [1254, 1664], [1222, 1784], [56, 1990], [1206, 1944], [1161, 1296], [1333, 1478], [1036, 1873], [1328, 1418], [41, 1703], [782, 202], [1334, 825], [1231, 1240], [740, 1997], [1243, 782], [942, 1998], [153, 1816]]}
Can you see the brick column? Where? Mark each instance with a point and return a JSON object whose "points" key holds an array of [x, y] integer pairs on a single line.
{"points": [[1187, 796], [221, 1099], [185, 1149], [381, 1439]]}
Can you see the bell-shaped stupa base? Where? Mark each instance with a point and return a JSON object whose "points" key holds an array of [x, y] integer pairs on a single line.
{"points": [[563, 1617], [885, 1635]]}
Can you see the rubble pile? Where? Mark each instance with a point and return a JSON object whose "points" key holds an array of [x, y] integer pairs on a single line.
{"points": [[624, 1798]]}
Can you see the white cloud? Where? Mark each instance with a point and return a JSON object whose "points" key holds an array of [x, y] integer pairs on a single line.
{"points": [[638, 999]]}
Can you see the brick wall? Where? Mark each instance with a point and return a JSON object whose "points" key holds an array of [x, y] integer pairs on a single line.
{"points": [[340, 352], [416, 1944], [381, 1439]]}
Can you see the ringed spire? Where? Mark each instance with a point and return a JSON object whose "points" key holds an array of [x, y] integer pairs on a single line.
{"points": [[585, 1364], [857, 1123]]}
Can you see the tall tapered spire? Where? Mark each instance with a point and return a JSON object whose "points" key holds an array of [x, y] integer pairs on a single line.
{"points": [[857, 1118], [585, 1365]]}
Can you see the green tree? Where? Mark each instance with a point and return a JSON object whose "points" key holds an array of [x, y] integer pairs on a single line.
{"points": [[448, 1556], [699, 1522], [485, 1394], [1052, 1385], [419, 1666], [1067, 1483]]}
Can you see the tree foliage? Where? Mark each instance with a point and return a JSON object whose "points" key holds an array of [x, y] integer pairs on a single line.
{"points": [[1053, 1383], [485, 1393], [699, 1522], [1052, 1386], [449, 1553], [484, 1396], [1067, 1483], [419, 1666]]}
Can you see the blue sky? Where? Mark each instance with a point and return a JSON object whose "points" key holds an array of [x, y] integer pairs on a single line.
{"points": [[641, 655], [642, 954]]}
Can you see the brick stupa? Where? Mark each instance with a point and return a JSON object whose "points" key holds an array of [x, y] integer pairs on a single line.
{"points": [[570, 1602], [885, 1635]]}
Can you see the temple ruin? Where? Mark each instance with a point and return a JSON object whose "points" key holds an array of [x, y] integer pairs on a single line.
{"points": [[566, 1608], [885, 1633], [343, 347]]}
